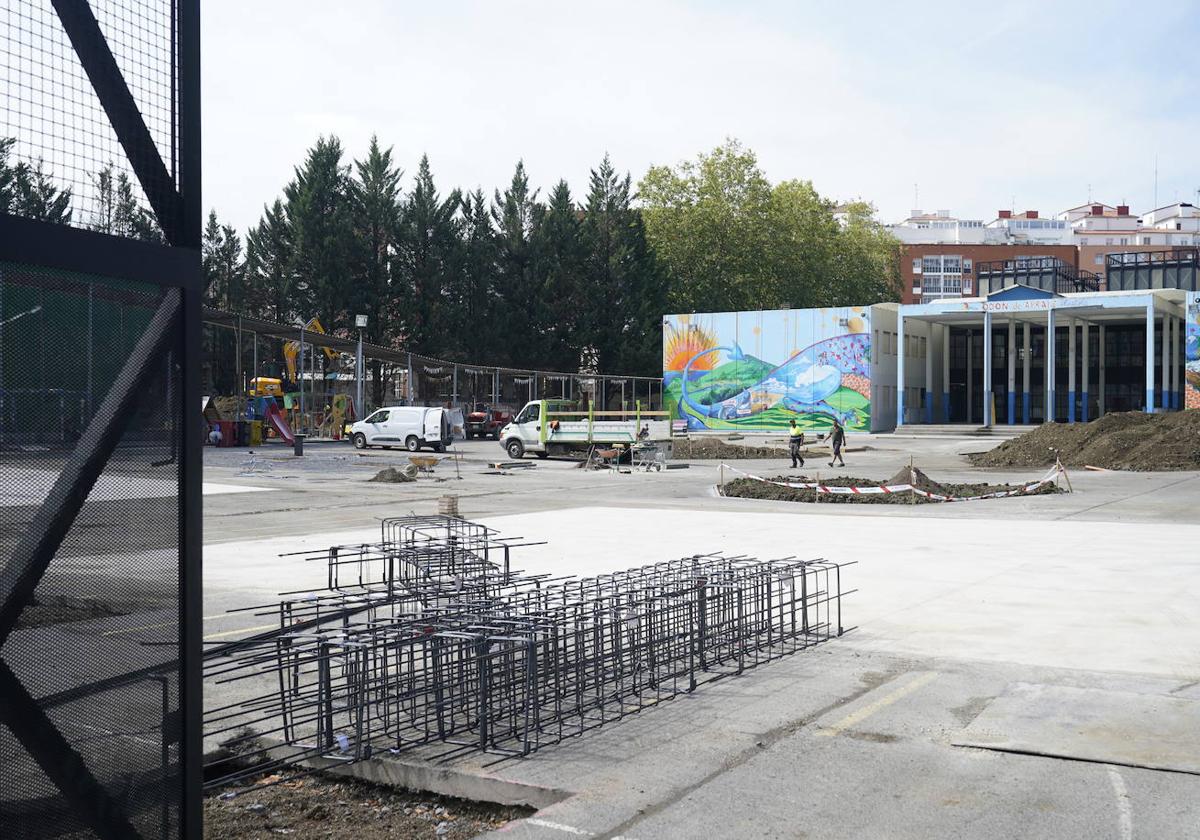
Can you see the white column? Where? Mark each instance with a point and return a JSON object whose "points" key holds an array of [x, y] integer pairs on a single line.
{"points": [[1086, 371], [1070, 370], [945, 373], [1150, 358], [928, 410], [900, 368], [1049, 413], [1100, 363], [1011, 355], [1177, 329], [1025, 365], [987, 369], [970, 376], [1164, 401]]}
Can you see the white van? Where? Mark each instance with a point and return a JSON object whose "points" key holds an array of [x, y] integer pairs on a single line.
{"points": [[404, 425]]}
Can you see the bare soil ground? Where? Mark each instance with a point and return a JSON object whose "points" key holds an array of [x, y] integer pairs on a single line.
{"points": [[749, 488], [715, 448], [312, 807], [1125, 441]]}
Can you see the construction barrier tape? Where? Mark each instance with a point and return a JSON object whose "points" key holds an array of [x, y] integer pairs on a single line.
{"points": [[1055, 471]]}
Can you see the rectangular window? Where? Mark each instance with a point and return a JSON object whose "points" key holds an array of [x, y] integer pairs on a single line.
{"points": [[951, 264], [1108, 240], [916, 265], [1083, 240], [1124, 240], [1099, 261], [931, 265], [1145, 240]]}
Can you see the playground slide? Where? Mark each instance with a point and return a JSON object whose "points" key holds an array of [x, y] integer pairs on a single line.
{"points": [[279, 423]]}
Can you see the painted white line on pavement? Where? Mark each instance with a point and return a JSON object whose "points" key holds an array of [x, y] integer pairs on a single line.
{"points": [[566, 829], [1124, 810]]}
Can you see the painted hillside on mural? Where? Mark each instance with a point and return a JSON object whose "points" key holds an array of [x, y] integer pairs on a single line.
{"points": [[1191, 391], [756, 371]]}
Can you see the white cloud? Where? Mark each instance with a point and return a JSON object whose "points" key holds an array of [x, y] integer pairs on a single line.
{"points": [[864, 100]]}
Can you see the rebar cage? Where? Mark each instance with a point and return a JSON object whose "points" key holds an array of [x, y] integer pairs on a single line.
{"points": [[430, 637]]}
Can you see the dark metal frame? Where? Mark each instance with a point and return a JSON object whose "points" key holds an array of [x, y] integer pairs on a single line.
{"points": [[1035, 271], [175, 328]]}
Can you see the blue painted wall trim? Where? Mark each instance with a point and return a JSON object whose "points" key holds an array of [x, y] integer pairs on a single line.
{"points": [[1070, 406], [1084, 408], [929, 407], [1025, 408], [946, 405], [1012, 407]]}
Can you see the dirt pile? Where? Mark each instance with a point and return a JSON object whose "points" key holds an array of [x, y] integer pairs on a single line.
{"points": [[318, 807], [716, 449], [1125, 441], [749, 488], [391, 475]]}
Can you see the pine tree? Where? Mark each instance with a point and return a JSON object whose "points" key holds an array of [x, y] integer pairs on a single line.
{"points": [[514, 214], [318, 211], [6, 174], [426, 244], [559, 259], [269, 280], [475, 332], [375, 192], [224, 271], [117, 209]]}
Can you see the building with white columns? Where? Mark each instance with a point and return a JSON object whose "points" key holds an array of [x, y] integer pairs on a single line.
{"points": [[1027, 355]]}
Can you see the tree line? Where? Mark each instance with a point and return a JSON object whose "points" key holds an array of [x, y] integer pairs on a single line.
{"points": [[515, 278]]}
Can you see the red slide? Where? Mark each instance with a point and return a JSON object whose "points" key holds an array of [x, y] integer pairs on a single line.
{"points": [[279, 423]]}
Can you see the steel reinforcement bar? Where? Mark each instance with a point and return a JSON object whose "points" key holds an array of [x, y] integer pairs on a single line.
{"points": [[430, 637]]}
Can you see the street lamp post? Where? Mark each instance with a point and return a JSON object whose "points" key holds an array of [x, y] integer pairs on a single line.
{"points": [[360, 321]]}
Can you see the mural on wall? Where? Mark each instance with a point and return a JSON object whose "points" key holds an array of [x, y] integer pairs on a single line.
{"points": [[755, 371], [1191, 391]]}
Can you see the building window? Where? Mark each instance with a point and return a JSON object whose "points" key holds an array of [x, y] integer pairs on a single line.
{"points": [[1099, 261], [1145, 240], [1083, 240], [916, 265], [1124, 240], [931, 265], [1108, 240]]}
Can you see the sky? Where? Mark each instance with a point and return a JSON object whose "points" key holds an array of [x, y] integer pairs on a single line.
{"points": [[959, 106]]}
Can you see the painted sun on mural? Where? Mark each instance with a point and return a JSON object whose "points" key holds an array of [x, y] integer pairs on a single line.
{"points": [[759, 370]]}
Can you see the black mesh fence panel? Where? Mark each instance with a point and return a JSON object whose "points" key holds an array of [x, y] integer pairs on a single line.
{"points": [[98, 646], [62, 154]]}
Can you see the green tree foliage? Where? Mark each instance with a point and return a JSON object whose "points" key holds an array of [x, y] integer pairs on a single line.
{"points": [[318, 208], [623, 290], [425, 256], [729, 240], [117, 210], [514, 213], [472, 302], [224, 269], [557, 271], [269, 279], [27, 190]]}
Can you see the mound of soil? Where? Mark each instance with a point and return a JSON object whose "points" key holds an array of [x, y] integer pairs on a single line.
{"points": [[716, 449], [321, 807], [1125, 441], [391, 475], [749, 488]]}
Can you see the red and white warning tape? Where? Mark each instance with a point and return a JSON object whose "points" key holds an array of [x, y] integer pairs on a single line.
{"points": [[1055, 471]]}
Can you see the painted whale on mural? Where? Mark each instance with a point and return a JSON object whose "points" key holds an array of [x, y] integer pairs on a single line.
{"points": [[799, 384]]}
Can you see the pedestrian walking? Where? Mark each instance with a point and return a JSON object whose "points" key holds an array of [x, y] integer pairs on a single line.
{"points": [[795, 441], [837, 439]]}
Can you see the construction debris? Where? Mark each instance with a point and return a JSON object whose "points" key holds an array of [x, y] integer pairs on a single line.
{"points": [[430, 637]]}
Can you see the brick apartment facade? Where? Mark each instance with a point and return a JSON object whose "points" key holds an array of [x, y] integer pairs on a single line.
{"points": [[918, 280]]}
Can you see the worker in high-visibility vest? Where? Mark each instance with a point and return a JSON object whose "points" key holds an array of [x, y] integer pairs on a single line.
{"points": [[795, 441]]}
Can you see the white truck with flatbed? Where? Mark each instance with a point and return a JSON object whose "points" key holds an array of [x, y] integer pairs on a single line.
{"points": [[559, 427]]}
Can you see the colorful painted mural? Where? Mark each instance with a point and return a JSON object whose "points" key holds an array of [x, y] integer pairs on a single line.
{"points": [[1191, 390], [755, 371]]}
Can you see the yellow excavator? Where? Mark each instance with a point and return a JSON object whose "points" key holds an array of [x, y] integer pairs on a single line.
{"points": [[273, 386]]}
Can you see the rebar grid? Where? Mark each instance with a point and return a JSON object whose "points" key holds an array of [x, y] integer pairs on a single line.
{"points": [[425, 638]]}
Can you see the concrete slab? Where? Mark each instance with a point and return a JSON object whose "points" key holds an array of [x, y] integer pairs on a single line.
{"points": [[1153, 731], [27, 486], [1061, 594]]}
